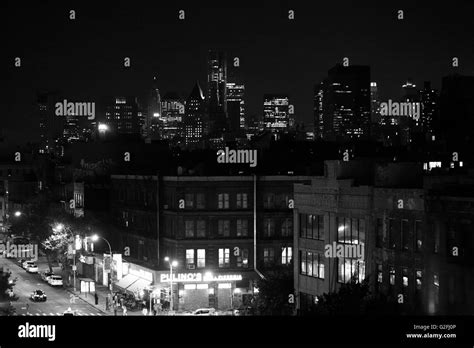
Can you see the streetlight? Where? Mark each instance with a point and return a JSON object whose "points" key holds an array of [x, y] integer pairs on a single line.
{"points": [[95, 238], [18, 213], [172, 264]]}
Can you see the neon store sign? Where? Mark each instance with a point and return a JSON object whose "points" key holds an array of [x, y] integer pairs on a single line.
{"points": [[199, 277]]}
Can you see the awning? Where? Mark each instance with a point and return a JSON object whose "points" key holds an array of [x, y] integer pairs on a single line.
{"points": [[138, 285], [126, 281]]}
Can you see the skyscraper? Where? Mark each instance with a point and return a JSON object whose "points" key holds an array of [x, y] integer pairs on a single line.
{"points": [[276, 116], [345, 103], [235, 106], [172, 113], [195, 120], [429, 99], [154, 111], [51, 126], [121, 115], [216, 91]]}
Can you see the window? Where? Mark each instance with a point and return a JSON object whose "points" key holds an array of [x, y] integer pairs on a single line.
{"points": [[241, 201], [392, 275], [224, 257], [418, 280], [312, 264], [201, 228], [242, 228], [286, 255], [350, 269], [200, 201], [350, 230], [269, 201], [223, 228], [287, 227], [269, 228], [189, 228], [392, 233], [405, 277], [201, 258], [189, 200], [223, 200], [405, 232], [312, 226], [243, 258], [379, 273], [418, 236], [189, 257], [379, 233], [268, 256]]}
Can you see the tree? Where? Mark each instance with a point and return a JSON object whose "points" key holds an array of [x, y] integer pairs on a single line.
{"points": [[274, 292], [354, 298], [6, 285]]}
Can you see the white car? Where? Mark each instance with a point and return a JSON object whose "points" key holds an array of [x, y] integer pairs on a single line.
{"points": [[55, 280], [205, 311], [32, 268], [69, 312], [25, 263]]}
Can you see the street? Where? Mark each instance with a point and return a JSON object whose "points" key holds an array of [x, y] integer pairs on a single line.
{"points": [[58, 299]]}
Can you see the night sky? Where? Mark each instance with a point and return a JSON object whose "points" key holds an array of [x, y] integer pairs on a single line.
{"points": [[84, 58]]}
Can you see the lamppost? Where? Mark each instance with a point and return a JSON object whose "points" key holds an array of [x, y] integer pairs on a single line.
{"points": [[95, 238], [172, 264]]}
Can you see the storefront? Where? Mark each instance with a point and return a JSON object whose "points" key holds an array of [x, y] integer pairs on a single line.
{"points": [[195, 290], [136, 279]]}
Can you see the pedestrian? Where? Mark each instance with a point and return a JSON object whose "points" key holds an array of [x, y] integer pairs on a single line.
{"points": [[121, 301], [145, 311], [106, 303], [124, 311], [96, 298], [27, 307], [115, 310]]}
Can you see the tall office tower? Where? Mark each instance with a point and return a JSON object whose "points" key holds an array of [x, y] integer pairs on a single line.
{"points": [[51, 126], [374, 103], [71, 129], [154, 111], [346, 103], [172, 113], [457, 111], [276, 116], [216, 93], [429, 99], [410, 93], [121, 115], [235, 106], [195, 120], [318, 109]]}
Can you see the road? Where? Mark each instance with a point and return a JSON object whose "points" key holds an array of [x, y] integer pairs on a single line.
{"points": [[58, 301]]}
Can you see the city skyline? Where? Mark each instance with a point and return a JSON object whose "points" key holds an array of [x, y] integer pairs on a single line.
{"points": [[294, 70]]}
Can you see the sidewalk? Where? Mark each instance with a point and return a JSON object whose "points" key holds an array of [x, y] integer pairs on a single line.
{"points": [[102, 292]]}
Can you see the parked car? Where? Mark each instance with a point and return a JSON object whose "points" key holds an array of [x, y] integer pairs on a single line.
{"points": [[68, 312], [20, 262], [25, 263], [32, 268], [38, 296], [45, 275], [55, 280], [204, 311]]}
